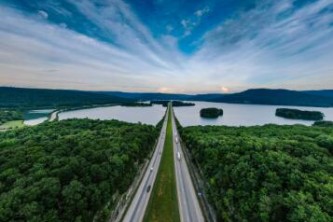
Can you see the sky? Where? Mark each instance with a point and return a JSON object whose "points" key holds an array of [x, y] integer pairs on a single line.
{"points": [[171, 46]]}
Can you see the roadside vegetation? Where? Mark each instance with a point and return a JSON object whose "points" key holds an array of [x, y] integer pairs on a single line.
{"points": [[299, 114], [163, 203], [69, 170], [10, 115], [267, 173]]}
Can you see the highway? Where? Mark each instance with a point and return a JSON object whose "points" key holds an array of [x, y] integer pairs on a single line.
{"points": [[189, 207], [137, 208]]}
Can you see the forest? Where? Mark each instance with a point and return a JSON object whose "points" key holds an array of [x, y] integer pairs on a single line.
{"points": [[22, 98], [299, 114], [211, 112], [265, 173], [69, 170], [9, 115]]}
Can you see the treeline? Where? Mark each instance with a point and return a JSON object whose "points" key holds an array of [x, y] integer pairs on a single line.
{"points": [[47, 98], [174, 103], [268, 173], [69, 170], [299, 114], [10, 115]]}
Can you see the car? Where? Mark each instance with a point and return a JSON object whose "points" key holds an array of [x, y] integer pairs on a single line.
{"points": [[148, 188], [151, 168]]}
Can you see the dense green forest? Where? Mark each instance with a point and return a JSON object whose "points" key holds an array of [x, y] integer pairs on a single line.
{"points": [[9, 115], [267, 173], [69, 170], [211, 112], [299, 114], [47, 98]]}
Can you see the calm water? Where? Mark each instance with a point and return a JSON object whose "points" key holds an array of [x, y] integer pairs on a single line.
{"points": [[242, 115], [148, 115], [35, 117], [234, 114]]}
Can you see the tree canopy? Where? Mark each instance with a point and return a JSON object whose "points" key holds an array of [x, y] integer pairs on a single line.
{"points": [[266, 173], [69, 170], [10, 115], [211, 112], [299, 114]]}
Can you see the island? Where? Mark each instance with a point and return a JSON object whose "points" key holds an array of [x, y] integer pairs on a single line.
{"points": [[174, 103], [211, 112], [299, 114]]}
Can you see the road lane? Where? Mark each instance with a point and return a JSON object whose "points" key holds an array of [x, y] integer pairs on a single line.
{"points": [[136, 210], [189, 207]]}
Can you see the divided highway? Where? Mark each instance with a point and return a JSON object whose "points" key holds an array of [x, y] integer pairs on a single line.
{"points": [[189, 207], [136, 210]]}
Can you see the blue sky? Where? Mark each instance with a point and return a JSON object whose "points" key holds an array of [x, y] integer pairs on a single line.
{"points": [[180, 46]]}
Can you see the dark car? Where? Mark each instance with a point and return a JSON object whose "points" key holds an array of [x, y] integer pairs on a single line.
{"points": [[148, 188]]}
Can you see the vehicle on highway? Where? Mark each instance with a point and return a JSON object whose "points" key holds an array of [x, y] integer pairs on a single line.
{"points": [[151, 168], [177, 139], [148, 188], [178, 156]]}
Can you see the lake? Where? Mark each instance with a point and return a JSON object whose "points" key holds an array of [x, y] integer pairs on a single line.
{"points": [[242, 115], [148, 115], [234, 114]]}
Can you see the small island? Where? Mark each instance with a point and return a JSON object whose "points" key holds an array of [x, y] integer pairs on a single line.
{"points": [[299, 114], [211, 112]]}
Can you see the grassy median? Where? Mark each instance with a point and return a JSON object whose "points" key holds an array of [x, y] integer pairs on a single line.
{"points": [[163, 203]]}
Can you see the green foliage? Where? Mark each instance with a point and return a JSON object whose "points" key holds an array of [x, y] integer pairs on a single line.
{"points": [[268, 173], [6, 116], [47, 98], [163, 203], [299, 114], [211, 112], [68, 170], [323, 123]]}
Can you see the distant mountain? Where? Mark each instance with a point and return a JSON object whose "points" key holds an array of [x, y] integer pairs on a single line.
{"points": [[275, 97], [326, 93], [148, 96], [19, 97], [30, 98]]}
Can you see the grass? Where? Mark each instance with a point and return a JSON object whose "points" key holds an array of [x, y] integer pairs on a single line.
{"points": [[163, 203], [12, 124]]}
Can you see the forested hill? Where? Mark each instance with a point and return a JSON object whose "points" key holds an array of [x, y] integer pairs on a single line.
{"points": [[320, 98], [326, 93], [30, 98], [275, 97]]}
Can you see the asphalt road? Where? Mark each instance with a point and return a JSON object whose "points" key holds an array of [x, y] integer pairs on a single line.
{"points": [[189, 207], [136, 210]]}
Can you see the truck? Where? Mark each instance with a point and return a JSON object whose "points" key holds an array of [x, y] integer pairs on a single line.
{"points": [[178, 155]]}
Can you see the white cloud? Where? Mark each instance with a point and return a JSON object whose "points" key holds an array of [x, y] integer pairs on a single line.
{"points": [[202, 12], [43, 14], [257, 49]]}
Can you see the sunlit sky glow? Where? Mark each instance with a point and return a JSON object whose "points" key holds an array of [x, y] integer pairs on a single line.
{"points": [[182, 46]]}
